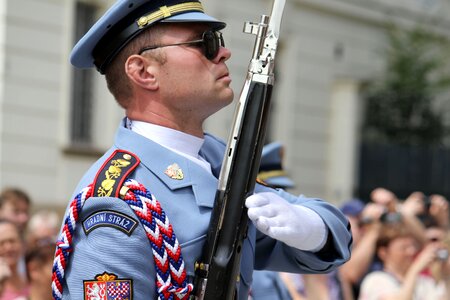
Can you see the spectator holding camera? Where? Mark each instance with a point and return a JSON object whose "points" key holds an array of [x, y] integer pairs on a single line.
{"points": [[407, 211], [439, 270], [403, 263], [384, 210], [365, 223], [428, 207], [439, 210]]}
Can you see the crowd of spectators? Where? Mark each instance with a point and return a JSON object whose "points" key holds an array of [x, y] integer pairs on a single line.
{"points": [[27, 247], [400, 251]]}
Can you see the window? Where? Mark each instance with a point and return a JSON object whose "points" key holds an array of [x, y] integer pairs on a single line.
{"points": [[82, 83]]}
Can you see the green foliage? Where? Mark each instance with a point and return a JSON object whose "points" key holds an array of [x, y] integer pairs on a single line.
{"points": [[401, 107]]}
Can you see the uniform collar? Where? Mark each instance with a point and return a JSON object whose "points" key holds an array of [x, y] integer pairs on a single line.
{"points": [[170, 138], [182, 143], [157, 159]]}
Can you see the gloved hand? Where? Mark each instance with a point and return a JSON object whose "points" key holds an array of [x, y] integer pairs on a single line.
{"points": [[293, 224]]}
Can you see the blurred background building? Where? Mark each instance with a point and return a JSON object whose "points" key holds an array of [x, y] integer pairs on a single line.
{"points": [[55, 120]]}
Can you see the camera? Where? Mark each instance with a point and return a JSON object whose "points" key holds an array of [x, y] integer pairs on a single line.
{"points": [[391, 218], [442, 254]]}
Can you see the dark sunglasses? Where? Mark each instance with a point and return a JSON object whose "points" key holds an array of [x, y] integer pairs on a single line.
{"points": [[211, 42]]}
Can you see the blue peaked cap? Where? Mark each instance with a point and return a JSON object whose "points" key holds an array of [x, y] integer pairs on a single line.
{"points": [[271, 169], [125, 20]]}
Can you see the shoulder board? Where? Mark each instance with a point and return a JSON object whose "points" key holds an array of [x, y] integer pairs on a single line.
{"points": [[114, 172]]}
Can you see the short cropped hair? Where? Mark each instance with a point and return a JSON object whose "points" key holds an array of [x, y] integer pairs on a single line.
{"points": [[116, 78], [13, 194]]}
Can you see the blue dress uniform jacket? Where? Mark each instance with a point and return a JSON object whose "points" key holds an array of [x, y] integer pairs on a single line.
{"points": [[188, 204]]}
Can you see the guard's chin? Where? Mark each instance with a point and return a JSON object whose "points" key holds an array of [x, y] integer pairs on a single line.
{"points": [[230, 97]]}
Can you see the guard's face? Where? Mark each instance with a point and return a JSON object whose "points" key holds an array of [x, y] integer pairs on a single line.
{"points": [[189, 81]]}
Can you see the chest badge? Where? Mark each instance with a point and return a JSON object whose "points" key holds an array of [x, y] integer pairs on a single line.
{"points": [[174, 171]]}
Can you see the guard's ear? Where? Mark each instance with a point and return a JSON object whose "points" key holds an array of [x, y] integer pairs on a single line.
{"points": [[142, 71]]}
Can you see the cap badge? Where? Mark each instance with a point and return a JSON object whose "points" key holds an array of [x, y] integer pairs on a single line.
{"points": [[174, 171]]}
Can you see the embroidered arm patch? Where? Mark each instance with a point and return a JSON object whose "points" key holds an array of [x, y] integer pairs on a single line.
{"points": [[109, 218]]}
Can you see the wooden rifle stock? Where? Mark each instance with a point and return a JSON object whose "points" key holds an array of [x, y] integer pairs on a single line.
{"points": [[216, 274]]}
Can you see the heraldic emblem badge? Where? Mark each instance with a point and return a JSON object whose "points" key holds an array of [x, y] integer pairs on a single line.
{"points": [[107, 287]]}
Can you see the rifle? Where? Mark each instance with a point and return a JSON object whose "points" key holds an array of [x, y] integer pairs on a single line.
{"points": [[217, 271]]}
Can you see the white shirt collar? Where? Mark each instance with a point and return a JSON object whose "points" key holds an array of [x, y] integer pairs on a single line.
{"points": [[182, 143]]}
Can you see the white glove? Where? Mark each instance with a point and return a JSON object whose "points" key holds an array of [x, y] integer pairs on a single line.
{"points": [[293, 224]]}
